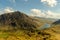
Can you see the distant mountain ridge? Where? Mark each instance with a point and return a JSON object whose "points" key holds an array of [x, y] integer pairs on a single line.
{"points": [[56, 22], [50, 19]]}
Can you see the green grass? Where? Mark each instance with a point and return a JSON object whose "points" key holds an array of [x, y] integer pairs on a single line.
{"points": [[4, 35], [23, 35]]}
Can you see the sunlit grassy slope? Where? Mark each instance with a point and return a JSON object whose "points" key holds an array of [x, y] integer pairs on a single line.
{"points": [[26, 35], [46, 34], [18, 26]]}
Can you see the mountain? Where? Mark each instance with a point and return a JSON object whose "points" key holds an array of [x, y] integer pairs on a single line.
{"points": [[26, 27], [16, 20], [49, 19], [44, 20], [56, 22]]}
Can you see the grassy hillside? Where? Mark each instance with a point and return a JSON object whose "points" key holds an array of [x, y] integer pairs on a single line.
{"points": [[19, 26], [25, 35]]}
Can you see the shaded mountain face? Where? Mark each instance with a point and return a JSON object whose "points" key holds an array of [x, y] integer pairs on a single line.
{"points": [[56, 22], [16, 20]]}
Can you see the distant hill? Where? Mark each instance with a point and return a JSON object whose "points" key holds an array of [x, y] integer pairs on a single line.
{"points": [[49, 19], [16, 20], [44, 20], [56, 22]]}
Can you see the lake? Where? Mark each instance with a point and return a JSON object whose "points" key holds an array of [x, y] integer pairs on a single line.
{"points": [[45, 26]]}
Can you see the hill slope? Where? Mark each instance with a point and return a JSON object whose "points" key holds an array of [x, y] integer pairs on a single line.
{"points": [[25, 26], [16, 20], [56, 22]]}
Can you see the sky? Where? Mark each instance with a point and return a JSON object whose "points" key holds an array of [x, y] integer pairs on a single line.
{"points": [[40, 8]]}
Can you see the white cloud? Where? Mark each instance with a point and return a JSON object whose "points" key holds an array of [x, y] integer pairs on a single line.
{"points": [[6, 10], [45, 14], [37, 12], [50, 3], [50, 14]]}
